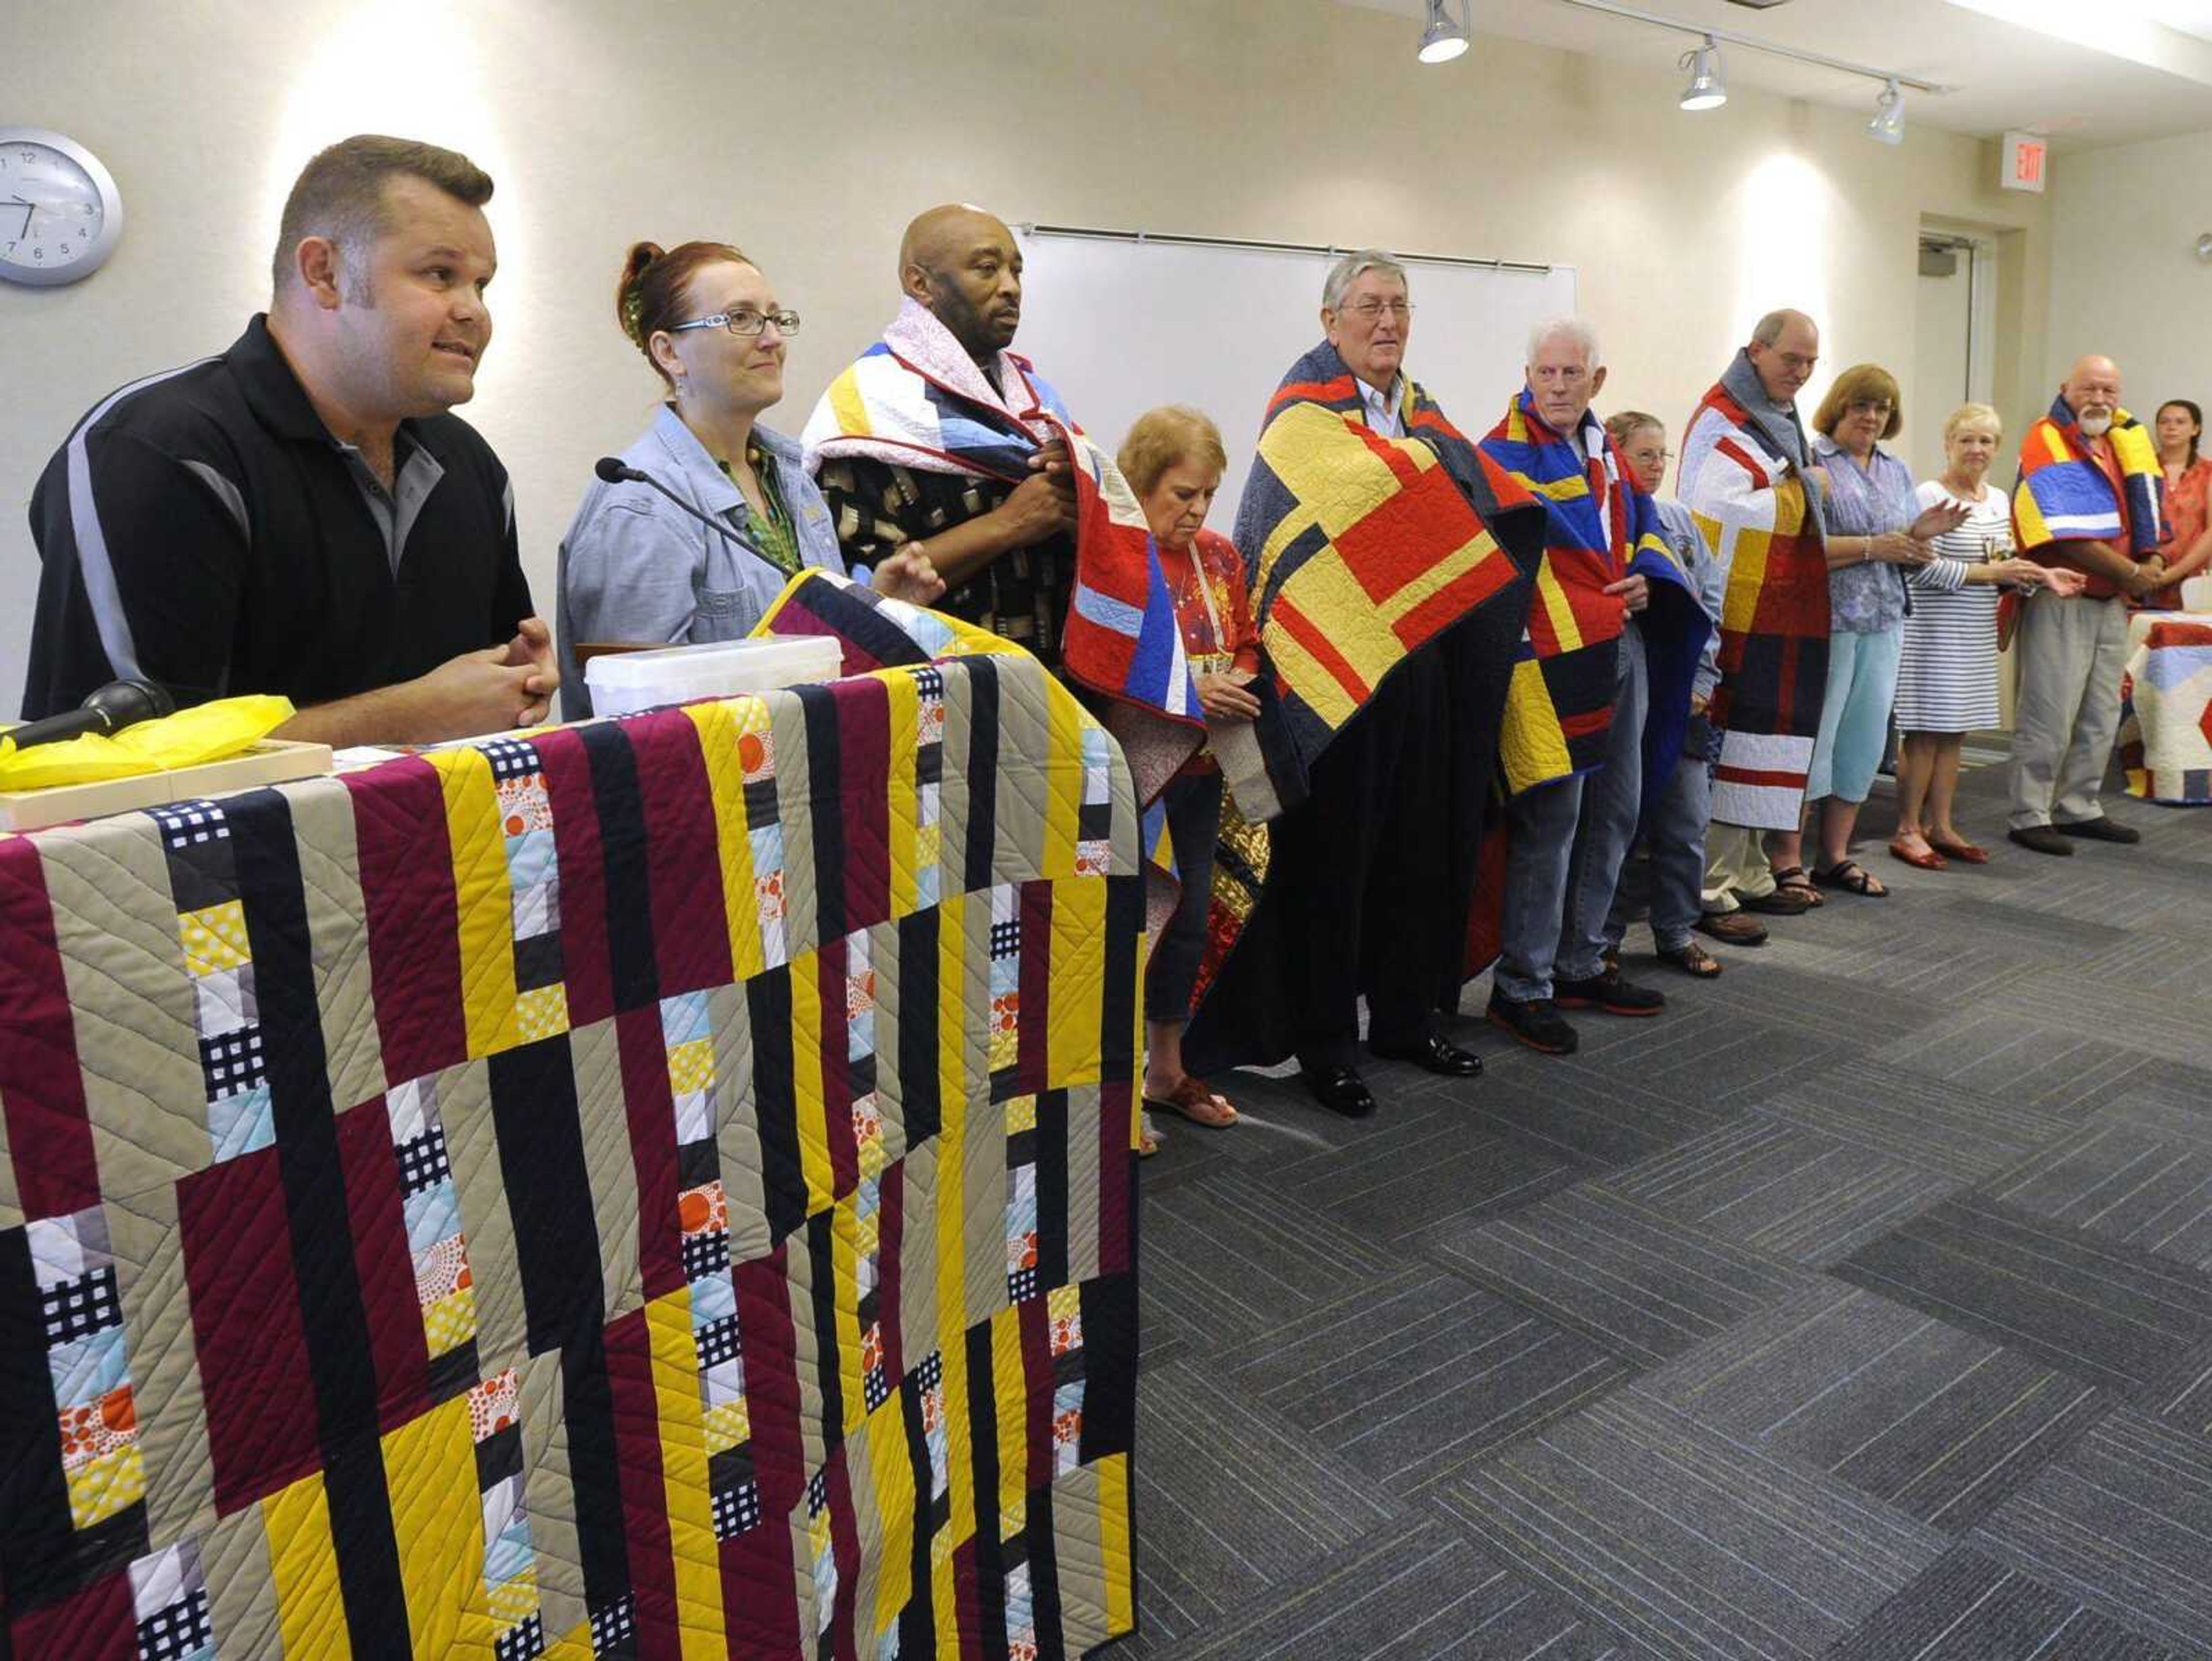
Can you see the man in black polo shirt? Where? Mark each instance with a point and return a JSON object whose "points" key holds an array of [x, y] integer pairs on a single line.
{"points": [[300, 515]]}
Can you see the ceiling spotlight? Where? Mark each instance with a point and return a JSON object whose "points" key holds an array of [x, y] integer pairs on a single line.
{"points": [[1444, 39], [1888, 123], [1706, 90]]}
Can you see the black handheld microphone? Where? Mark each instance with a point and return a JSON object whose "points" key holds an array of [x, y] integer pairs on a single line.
{"points": [[118, 705], [612, 470]]}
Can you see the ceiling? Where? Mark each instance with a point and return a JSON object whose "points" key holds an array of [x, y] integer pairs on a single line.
{"points": [[2089, 74]]}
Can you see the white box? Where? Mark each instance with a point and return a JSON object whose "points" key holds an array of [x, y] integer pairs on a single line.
{"points": [[624, 683]]}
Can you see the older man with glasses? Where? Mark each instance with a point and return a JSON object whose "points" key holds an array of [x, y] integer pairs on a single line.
{"points": [[1389, 571], [2090, 499], [1747, 477], [1575, 728]]}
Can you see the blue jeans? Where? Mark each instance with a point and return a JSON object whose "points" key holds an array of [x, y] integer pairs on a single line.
{"points": [[1676, 837], [1567, 841]]}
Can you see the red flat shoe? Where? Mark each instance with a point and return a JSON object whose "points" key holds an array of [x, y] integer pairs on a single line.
{"points": [[1966, 852], [1930, 861]]}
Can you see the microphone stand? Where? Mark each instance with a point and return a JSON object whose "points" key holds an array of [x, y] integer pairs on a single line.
{"points": [[612, 470]]}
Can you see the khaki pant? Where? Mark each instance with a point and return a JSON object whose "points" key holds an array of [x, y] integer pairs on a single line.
{"points": [[1735, 859], [2071, 655]]}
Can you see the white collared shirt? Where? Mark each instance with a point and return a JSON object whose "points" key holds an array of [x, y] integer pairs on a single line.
{"points": [[1382, 407]]}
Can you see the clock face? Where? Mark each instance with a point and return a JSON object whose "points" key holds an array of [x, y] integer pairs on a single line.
{"points": [[59, 214]]}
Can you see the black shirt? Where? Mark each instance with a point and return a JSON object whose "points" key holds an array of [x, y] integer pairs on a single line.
{"points": [[202, 528]]}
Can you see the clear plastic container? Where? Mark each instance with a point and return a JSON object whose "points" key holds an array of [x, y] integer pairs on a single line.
{"points": [[624, 683]]}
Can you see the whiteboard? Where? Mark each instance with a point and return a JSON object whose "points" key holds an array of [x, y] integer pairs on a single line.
{"points": [[1119, 325]]}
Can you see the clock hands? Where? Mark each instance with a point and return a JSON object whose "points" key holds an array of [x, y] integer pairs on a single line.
{"points": [[28, 208]]}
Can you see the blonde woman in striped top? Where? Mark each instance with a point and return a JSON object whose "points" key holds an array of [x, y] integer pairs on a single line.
{"points": [[1947, 678]]}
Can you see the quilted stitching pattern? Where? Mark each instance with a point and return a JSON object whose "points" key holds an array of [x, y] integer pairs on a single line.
{"points": [[731, 1253]]}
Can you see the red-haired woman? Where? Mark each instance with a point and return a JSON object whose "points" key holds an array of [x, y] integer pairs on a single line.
{"points": [[634, 568]]}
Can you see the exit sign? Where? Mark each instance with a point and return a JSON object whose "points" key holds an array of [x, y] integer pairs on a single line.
{"points": [[2026, 162]]}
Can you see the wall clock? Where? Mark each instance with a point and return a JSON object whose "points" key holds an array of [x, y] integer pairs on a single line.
{"points": [[60, 214]]}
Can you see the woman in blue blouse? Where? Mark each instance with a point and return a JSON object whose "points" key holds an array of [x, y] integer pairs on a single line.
{"points": [[1875, 531], [636, 569]]}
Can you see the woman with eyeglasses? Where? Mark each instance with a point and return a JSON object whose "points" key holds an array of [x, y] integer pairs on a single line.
{"points": [[1877, 531], [636, 568]]}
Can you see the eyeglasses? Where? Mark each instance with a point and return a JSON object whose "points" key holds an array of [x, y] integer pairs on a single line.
{"points": [[744, 321], [1796, 363], [1368, 310]]}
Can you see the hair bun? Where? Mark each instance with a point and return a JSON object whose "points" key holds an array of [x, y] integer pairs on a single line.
{"points": [[628, 299]]}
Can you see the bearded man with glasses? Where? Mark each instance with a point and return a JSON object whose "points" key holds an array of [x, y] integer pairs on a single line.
{"points": [[2091, 498]]}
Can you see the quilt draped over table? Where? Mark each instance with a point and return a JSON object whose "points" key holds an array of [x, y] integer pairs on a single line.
{"points": [[660, 1188]]}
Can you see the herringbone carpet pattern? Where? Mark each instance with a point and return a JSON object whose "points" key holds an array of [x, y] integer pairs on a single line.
{"points": [[1858, 1306]]}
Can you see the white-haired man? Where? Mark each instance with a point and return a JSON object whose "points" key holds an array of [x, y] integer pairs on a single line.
{"points": [[1575, 725], [1389, 572], [2090, 498]]}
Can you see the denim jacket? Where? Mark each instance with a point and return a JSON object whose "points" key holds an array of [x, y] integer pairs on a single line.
{"points": [[634, 568]]}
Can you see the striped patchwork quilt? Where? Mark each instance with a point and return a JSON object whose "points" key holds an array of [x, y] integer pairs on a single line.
{"points": [[2063, 495], [1600, 528], [1361, 548], [2166, 723], [1752, 509], [916, 399], [660, 1188]]}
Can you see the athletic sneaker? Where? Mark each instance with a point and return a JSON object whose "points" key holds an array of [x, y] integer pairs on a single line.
{"points": [[1535, 1021], [1610, 993]]}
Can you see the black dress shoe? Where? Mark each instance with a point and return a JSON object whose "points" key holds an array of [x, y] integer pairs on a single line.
{"points": [[2043, 839], [1340, 1090], [2099, 829], [1432, 1054]]}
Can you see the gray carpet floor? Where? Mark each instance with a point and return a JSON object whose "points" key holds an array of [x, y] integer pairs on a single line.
{"points": [[1860, 1305]]}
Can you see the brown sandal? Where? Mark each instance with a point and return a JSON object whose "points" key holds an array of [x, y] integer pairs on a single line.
{"points": [[1792, 879], [1195, 1101], [1692, 960]]}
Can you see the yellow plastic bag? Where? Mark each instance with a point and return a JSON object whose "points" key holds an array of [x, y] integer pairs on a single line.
{"points": [[205, 732]]}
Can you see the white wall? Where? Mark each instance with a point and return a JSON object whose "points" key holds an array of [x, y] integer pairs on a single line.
{"points": [[2125, 280], [808, 132], [1937, 384]]}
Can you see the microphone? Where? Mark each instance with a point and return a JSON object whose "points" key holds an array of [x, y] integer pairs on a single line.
{"points": [[612, 470], [118, 705]]}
